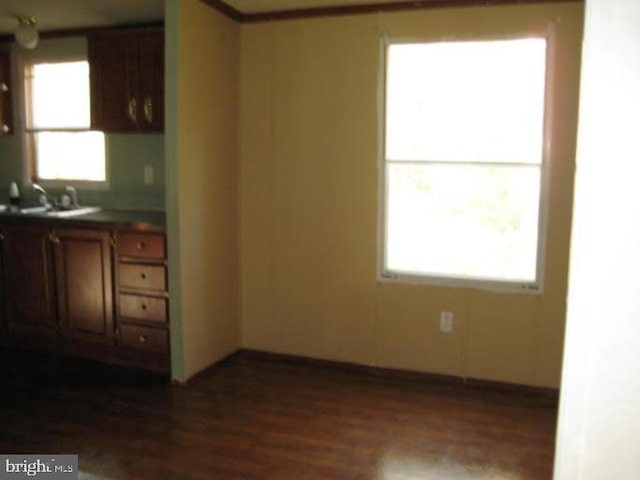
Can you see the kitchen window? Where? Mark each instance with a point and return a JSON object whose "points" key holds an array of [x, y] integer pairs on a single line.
{"points": [[464, 167], [61, 147]]}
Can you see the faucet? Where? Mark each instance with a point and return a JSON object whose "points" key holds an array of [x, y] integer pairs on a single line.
{"points": [[49, 202], [73, 193]]}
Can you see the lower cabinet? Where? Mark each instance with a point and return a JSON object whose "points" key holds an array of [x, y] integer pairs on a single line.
{"points": [[142, 297], [29, 283], [3, 307], [84, 284], [57, 292]]}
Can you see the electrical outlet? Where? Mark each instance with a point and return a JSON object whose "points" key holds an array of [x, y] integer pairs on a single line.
{"points": [[446, 322], [148, 175]]}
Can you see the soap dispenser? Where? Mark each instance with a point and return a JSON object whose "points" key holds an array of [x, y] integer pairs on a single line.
{"points": [[14, 195]]}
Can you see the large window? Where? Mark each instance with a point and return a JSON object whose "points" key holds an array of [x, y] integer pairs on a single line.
{"points": [[464, 162], [61, 147]]}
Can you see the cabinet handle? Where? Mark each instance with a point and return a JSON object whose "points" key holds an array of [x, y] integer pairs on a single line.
{"points": [[148, 109], [140, 245], [143, 276], [5, 128], [143, 306], [1, 237], [142, 338], [54, 238], [133, 110], [4, 87]]}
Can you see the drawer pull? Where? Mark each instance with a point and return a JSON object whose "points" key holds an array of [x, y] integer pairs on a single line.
{"points": [[140, 245], [143, 306], [142, 339], [143, 276]]}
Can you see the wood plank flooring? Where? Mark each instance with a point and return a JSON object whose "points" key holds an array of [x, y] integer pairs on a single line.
{"points": [[257, 418]]}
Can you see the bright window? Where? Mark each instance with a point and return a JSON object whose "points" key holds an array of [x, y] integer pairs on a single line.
{"points": [[464, 161], [62, 148]]}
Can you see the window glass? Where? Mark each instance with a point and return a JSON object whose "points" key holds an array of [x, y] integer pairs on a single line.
{"points": [[464, 136], [466, 101], [59, 116], [60, 95], [70, 155]]}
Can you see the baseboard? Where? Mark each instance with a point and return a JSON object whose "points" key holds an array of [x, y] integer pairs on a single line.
{"points": [[434, 378], [205, 371]]}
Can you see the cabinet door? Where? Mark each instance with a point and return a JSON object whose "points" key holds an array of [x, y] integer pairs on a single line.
{"points": [[151, 80], [84, 283], [114, 82], [31, 305], [6, 109]]}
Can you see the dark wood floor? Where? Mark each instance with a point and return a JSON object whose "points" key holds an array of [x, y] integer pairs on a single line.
{"points": [[253, 418]]}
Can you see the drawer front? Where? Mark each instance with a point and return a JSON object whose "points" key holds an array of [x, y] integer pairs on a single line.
{"points": [[144, 308], [144, 339], [145, 277], [138, 245]]}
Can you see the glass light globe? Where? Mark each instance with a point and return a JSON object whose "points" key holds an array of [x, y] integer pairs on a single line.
{"points": [[27, 35]]}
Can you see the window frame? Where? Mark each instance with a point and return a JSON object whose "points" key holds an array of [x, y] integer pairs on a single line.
{"points": [[386, 275], [55, 51]]}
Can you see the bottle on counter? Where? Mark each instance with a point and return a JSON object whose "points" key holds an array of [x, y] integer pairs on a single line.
{"points": [[14, 195]]}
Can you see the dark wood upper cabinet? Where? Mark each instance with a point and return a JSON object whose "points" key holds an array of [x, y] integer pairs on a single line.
{"points": [[127, 80], [151, 79], [6, 108]]}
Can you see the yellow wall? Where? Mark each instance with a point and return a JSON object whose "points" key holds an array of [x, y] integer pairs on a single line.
{"points": [[309, 199], [203, 51]]}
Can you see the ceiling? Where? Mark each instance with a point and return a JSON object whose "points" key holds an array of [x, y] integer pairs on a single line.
{"points": [[69, 14], [65, 14]]}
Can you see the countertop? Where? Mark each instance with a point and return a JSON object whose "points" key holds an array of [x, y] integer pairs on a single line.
{"points": [[142, 220]]}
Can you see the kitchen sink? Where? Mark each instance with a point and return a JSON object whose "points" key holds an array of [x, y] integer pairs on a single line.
{"points": [[33, 210], [73, 213], [59, 213]]}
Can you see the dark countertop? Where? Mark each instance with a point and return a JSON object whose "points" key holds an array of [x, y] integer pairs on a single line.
{"points": [[142, 220]]}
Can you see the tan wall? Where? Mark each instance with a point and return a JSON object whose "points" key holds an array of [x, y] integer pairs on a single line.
{"points": [[202, 185], [309, 199]]}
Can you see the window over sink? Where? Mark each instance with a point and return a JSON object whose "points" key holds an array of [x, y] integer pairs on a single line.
{"points": [[61, 148]]}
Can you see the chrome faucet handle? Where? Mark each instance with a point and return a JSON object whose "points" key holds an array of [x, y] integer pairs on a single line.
{"points": [[73, 193], [37, 188], [44, 198]]}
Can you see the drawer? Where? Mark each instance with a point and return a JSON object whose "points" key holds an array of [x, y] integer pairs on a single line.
{"points": [[144, 277], [143, 308], [138, 245], [144, 339]]}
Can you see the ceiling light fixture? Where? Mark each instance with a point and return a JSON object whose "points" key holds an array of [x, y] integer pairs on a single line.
{"points": [[27, 34]]}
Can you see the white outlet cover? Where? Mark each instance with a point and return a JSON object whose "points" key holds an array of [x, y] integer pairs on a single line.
{"points": [[446, 322]]}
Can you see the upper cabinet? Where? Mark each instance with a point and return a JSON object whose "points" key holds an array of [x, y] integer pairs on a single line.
{"points": [[127, 80], [6, 115]]}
